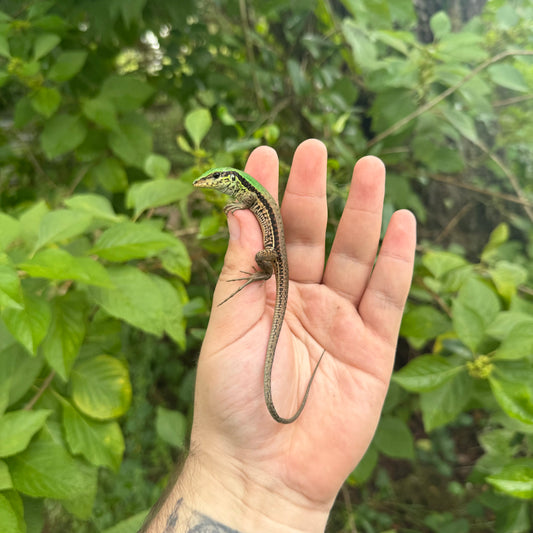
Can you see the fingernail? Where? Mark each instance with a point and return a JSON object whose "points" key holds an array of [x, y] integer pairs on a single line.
{"points": [[234, 228]]}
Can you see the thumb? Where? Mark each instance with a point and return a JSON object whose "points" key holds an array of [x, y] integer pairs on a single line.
{"points": [[245, 240]]}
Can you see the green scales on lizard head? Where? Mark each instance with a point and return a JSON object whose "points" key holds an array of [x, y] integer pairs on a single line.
{"points": [[247, 193]]}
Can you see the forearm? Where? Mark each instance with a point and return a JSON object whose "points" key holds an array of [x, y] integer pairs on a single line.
{"points": [[213, 497]]}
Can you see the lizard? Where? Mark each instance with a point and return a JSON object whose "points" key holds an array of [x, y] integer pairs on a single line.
{"points": [[248, 193]]}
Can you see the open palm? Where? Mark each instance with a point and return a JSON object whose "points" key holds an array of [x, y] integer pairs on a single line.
{"points": [[351, 308]]}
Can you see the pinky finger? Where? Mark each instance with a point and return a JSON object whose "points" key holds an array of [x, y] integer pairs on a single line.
{"points": [[382, 305]]}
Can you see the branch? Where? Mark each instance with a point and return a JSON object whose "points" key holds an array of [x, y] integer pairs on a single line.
{"points": [[450, 90], [40, 391]]}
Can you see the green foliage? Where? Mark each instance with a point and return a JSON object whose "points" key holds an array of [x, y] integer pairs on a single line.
{"points": [[109, 111]]}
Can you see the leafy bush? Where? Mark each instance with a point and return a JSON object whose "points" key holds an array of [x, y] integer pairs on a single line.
{"points": [[108, 112]]}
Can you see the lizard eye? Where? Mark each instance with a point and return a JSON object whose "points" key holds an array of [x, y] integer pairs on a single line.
{"points": [[216, 175]]}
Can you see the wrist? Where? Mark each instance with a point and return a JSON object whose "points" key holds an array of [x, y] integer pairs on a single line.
{"points": [[241, 498]]}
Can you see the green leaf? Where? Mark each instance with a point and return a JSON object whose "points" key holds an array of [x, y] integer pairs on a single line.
{"points": [[11, 519], [30, 220], [132, 143], [18, 371], [101, 443], [46, 470], [101, 112], [125, 92], [462, 122], [172, 311], [61, 225], [67, 65], [5, 478], [506, 320], [93, 204], [149, 194], [130, 240], [473, 310], [514, 396], [110, 174], [157, 166], [66, 332], [363, 49], [171, 426], [46, 100], [10, 290], [101, 387], [4, 47], [442, 405], [18, 427], [508, 277], [135, 299], [515, 479], [176, 260], [424, 322], [197, 123], [426, 372], [509, 77], [10, 230], [394, 438], [28, 325], [44, 44], [57, 264], [461, 47], [498, 236], [518, 342], [440, 24], [62, 134]]}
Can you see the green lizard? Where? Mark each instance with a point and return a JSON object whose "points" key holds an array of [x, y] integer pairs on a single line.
{"points": [[247, 193]]}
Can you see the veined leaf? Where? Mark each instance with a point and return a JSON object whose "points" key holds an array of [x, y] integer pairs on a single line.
{"points": [[129, 240], [125, 92], [62, 134], [44, 44], [197, 124], [67, 65], [5, 478], [101, 387], [135, 298], [515, 479], [18, 371], [28, 325], [93, 204], [60, 225], [10, 290], [57, 264], [171, 426], [66, 332], [442, 405], [509, 77], [101, 112], [394, 438], [12, 519], [426, 372], [473, 310], [18, 427], [150, 194], [46, 470], [515, 397], [101, 443], [10, 230]]}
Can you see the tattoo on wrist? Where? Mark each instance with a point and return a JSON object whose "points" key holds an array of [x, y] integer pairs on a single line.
{"points": [[196, 522]]}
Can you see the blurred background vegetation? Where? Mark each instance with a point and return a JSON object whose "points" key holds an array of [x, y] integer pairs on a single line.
{"points": [[110, 108]]}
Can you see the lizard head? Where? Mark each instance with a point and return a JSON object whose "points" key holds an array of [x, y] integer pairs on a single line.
{"points": [[225, 180]]}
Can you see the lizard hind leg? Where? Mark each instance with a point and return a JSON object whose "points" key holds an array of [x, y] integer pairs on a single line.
{"points": [[257, 275]]}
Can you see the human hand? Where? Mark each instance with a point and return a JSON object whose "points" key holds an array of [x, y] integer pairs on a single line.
{"points": [[256, 474]]}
